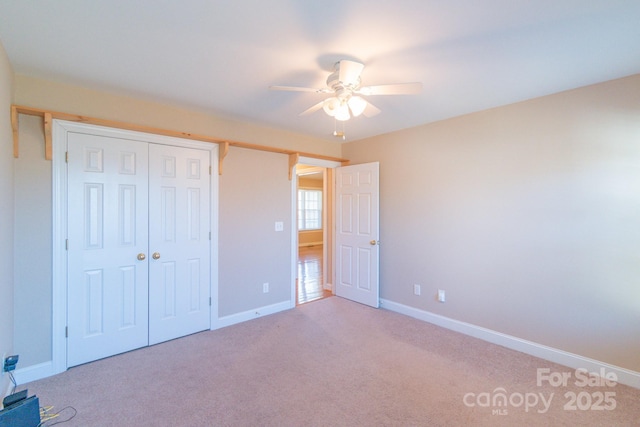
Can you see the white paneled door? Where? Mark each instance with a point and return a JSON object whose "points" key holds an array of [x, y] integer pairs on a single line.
{"points": [[357, 230], [139, 253], [107, 286], [178, 242]]}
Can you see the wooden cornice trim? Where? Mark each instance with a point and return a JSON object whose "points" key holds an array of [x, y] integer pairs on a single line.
{"points": [[294, 158], [224, 144], [48, 136], [223, 150], [14, 128]]}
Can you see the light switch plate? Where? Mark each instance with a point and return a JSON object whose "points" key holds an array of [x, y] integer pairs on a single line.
{"points": [[279, 226]]}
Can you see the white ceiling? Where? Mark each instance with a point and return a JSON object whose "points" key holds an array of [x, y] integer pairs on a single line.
{"points": [[221, 56]]}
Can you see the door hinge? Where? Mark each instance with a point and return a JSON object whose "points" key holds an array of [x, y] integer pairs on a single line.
{"points": [[66, 157], [66, 332], [209, 301], [209, 235], [66, 244]]}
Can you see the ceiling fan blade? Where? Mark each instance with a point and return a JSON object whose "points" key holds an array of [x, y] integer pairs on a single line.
{"points": [[350, 72], [299, 89], [312, 109], [392, 89], [371, 110]]}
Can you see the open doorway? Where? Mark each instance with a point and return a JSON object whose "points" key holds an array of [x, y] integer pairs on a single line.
{"points": [[312, 225]]}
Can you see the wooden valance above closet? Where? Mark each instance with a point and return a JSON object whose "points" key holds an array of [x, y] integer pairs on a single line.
{"points": [[48, 117]]}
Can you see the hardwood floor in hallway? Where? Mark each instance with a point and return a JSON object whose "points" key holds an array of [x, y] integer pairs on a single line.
{"points": [[310, 281]]}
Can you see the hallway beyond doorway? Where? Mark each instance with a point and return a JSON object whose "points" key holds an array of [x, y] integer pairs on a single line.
{"points": [[310, 281]]}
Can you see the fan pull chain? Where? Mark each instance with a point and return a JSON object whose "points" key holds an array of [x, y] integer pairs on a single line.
{"points": [[335, 130]]}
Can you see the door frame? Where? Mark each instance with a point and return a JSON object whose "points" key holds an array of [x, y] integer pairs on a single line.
{"points": [[60, 129], [328, 212]]}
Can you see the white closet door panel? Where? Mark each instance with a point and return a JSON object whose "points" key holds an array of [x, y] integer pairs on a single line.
{"points": [[108, 228], [179, 279]]}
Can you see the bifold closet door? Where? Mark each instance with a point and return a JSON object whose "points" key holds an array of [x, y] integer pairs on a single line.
{"points": [[179, 242], [139, 244], [107, 288]]}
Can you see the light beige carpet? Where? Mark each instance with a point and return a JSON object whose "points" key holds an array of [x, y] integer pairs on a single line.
{"points": [[330, 363]]}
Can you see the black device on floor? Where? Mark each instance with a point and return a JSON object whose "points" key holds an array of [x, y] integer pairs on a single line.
{"points": [[14, 398], [20, 410]]}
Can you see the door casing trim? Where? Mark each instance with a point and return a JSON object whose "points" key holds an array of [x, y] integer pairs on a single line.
{"points": [[327, 164]]}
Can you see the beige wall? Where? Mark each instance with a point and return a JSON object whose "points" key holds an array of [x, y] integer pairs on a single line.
{"points": [[310, 238], [33, 241], [528, 216], [37, 93], [6, 215], [254, 193]]}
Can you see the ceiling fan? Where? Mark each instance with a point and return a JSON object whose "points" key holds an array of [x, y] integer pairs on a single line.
{"points": [[345, 86]]}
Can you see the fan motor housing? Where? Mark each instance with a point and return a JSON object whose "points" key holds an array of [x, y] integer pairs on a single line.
{"points": [[341, 90], [334, 79]]}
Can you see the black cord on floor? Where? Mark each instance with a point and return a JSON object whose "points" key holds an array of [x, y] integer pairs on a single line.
{"points": [[13, 380], [43, 414], [50, 417]]}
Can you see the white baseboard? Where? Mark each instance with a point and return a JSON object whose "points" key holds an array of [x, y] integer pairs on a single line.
{"points": [[34, 372], [304, 245], [575, 361], [232, 319], [625, 376], [46, 369]]}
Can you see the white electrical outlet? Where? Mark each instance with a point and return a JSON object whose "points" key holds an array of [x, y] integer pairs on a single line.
{"points": [[279, 226], [416, 289], [265, 287], [441, 296]]}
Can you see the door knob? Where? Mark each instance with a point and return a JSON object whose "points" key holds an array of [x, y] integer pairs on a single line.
{"points": [[141, 257], [374, 242], [156, 255]]}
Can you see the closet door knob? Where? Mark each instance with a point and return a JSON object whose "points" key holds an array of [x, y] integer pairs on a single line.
{"points": [[141, 257], [156, 255]]}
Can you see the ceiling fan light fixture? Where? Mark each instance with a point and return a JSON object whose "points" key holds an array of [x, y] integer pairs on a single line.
{"points": [[357, 105], [342, 113], [331, 106], [346, 97]]}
